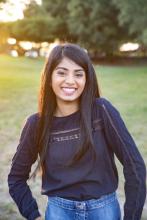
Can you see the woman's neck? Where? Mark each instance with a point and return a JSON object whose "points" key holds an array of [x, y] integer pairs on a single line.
{"points": [[67, 108]]}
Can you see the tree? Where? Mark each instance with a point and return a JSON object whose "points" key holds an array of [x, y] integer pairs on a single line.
{"points": [[58, 10], [36, 26], [37, 29], [96, 25], [92, 23], [39, 24], [134, 14], [33, 9]]}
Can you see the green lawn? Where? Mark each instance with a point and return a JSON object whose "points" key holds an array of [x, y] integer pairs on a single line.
{"points": [[125, 87]]}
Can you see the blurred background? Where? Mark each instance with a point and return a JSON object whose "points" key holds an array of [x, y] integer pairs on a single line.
{"points": [[114, 33]]}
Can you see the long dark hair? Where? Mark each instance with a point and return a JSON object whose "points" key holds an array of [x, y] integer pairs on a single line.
{"points": [[47, 100]]}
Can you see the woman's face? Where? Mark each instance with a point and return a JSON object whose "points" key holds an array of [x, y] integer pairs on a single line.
{"points": [[68, 81]]}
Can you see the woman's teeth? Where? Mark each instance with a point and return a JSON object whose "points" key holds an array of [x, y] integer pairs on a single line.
{"points": [[68, 90]]}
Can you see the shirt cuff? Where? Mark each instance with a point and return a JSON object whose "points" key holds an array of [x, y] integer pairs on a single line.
{"points": [[34, 215]]}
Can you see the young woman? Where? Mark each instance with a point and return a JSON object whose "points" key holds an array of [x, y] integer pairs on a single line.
{"points": [[76, 134]]}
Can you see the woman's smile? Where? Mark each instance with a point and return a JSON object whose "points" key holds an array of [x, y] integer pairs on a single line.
{"points": [[68, 90]]}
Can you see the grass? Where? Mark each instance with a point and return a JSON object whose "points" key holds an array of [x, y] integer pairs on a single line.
{"points": [[125, 87], [19, 81]]}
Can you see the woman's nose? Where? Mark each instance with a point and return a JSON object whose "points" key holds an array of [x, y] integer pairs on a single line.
{"points": [[70, 79]]}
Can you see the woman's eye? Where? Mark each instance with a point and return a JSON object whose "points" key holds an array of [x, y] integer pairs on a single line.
{"points": [[79, 74], [60, 73]]}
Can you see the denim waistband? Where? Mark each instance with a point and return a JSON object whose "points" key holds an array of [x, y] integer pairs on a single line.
{"points": [[82, 205]]}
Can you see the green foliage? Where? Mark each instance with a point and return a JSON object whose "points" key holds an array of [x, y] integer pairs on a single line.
{"points": [[40, 25], [37, 29], [33, 9], [91, 23], [95, 24], [144, 36], [100, 26], [58, 9], [134, 14]]}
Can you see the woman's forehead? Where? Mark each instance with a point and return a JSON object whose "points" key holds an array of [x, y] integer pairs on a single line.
{"points": [[68, 64]]}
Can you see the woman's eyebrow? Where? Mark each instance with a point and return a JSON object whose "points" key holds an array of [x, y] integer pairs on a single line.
{"points": [[77, 70], [63, 68], [60, 67]]}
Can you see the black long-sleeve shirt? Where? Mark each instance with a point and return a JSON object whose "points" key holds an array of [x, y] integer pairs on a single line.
{"points": [[81, 181]]}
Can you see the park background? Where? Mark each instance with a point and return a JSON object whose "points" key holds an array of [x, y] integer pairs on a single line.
{"points": [[114, 33]]}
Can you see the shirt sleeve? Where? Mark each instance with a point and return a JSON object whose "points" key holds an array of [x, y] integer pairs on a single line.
{"points": [[25, 156], [123, 145]]}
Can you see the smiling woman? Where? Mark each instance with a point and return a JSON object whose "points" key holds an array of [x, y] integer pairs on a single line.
{"points": [[76, 134], [68, 82]]}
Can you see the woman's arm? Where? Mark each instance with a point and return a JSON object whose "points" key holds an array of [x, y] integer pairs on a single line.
{"points": [[22, 161], [123, 145]]}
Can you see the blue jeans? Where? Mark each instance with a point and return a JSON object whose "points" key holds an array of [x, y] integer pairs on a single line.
{"points": [[105, 208]]}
